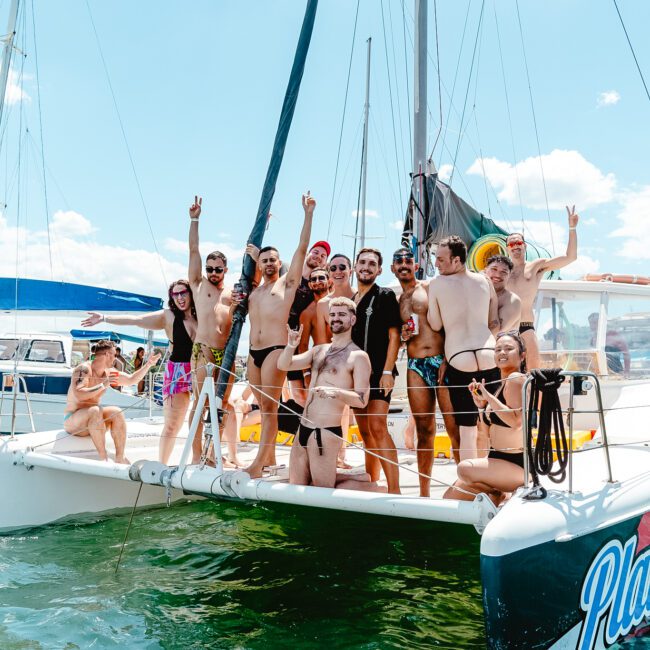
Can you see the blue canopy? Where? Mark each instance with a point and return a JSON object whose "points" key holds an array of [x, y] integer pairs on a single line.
{"points": [[108, 335], [44, 295]]}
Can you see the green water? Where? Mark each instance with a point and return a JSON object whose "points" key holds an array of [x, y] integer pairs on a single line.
{"points": [[226, 575]]}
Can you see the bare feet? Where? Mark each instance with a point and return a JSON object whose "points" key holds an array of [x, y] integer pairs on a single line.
{"points": [[122, 460], [231, 463], [341, 464], [255, 470]]}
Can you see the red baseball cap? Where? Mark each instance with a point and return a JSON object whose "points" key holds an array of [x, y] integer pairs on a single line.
{"points": [[322, 244]]}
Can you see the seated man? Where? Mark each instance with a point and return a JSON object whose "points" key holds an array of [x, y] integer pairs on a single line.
{"points": [[84, 416], [340, 376]]}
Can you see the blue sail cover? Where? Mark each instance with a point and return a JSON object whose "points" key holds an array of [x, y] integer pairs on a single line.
{"points": [[44, 295]]}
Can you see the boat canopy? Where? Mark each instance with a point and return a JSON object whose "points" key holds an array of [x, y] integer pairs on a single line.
{"points": [[45, 295], [108, 335], [444, 213]]}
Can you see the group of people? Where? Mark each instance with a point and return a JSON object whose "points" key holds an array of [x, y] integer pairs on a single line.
{"points": [[469, 338]]}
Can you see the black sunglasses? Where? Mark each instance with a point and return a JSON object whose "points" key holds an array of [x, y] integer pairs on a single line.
{"points": [[319, 278], [403, 258], [213, 269], [341, 267]]}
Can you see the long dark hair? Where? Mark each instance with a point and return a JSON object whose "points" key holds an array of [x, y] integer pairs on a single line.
{"points": [[514, 334], [171, 302]]}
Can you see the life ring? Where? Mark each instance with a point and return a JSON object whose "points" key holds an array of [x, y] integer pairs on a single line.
{"points": [[483, 249], [611, 277]]}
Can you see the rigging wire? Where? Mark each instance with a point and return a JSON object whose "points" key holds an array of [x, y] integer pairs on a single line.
{"points": [[390, 95], [40, 128], [406, 76], [435, 21], [469, 81], [532, 106], [512, 137], [345, 104], [126, 144], [629, 42]]}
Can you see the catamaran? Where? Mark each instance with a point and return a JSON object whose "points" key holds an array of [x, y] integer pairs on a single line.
{"points": [[564, 562]]}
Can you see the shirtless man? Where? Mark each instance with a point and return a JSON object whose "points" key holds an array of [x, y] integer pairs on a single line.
{"points": [[465, 305], [319, 281], [498, 271], [269, 307], [425, 356], [340, 378], [340, 273], [377, 332], [304, 298], [526, 276], [84, 416], [214, 309]]}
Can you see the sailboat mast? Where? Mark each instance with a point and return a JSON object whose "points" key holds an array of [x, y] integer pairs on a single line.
{"points": [[7, 51], [419, 121], [364, 155]]}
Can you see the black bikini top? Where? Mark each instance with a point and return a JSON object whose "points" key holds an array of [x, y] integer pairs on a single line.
{"points": [[492, 417], [182, 350]]}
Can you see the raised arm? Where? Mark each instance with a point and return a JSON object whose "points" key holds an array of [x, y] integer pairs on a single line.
{"points": [[287, 361], [322, 333], [433, 313], [572, 247], [295, 270], [153, 321], [123, 379], [194, 271], [79, 382]]}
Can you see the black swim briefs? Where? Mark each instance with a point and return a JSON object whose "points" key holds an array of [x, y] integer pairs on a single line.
{"points": [[465, 411]]}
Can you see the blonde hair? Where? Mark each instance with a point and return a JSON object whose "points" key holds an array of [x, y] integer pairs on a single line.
{"points": [[342, 301]]}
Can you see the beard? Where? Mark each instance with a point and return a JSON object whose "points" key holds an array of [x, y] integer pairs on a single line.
{"points": [[366, 279], [338, 327], [214, 280]]}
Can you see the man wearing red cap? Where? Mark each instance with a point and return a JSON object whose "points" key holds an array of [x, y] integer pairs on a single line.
{"points": [[316, 258]]}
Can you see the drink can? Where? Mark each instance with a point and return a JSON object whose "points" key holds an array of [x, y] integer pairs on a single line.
{"points": [[414, 324], [113, 378]]}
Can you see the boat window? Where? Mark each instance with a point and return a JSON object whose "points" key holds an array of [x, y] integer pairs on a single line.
{"points": [[627, 343], [45, 351], [564, 335], [8, 349]]}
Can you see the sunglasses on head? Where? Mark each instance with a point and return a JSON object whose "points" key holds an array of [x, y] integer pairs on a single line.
{"points": [[406, 257], [340, 267], [180, 294], [213, 269], [515, 244], [318, 278]]}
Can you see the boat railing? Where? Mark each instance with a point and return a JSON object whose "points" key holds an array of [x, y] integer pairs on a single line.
{"points": [[15, 380], [580, 382]]}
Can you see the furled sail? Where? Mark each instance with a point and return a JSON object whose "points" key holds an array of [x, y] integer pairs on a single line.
{"points": [[257, 233]]}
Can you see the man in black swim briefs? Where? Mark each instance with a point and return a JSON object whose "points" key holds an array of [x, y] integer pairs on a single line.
{"points": [[465, 305], [340, 378]]}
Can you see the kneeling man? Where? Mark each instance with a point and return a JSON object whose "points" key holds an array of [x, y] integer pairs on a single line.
{"points": [[340, 377], [84, 416]]}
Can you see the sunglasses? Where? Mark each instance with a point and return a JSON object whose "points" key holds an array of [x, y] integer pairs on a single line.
{"points": [[403, 258], [340, 267], [180, 294], [213, 269], [319, 278], [514, 244]]}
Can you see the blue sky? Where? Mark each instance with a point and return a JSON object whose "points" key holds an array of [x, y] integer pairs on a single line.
{"points": [[199, 87]]}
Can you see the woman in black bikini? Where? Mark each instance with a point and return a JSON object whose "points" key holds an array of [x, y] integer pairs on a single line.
{"points": [[503, 469]]}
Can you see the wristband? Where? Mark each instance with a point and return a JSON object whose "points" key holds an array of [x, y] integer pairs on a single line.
{"points": [[293, 347], [103, 320], [194, 219], [387, 372], [572, 228], [306, 372]]}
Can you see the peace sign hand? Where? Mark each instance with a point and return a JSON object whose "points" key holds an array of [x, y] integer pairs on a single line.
{"points": [[195, 208], [573, 216]]}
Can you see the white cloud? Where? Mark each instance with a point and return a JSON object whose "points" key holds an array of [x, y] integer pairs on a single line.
{"points": [[569, 177], [583, 265], [15, 92], [539, 233], [179, 246], [69, 223], [608, 98], [634, 216], [444, 173], [370, 214], [397, 225]]}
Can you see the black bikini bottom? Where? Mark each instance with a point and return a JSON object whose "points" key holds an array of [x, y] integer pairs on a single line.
{"points": [[305, 432], [517, 458], [258, 356]]}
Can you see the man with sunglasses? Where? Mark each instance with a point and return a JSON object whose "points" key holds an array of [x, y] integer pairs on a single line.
{"points": [[340, 270], [526, 276], [425, 349], [377, 332], [269, 307], [214, 309], [319, 282]]}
